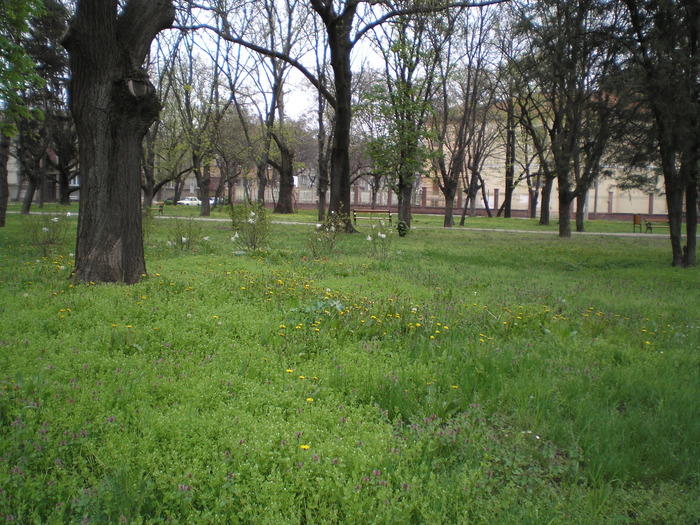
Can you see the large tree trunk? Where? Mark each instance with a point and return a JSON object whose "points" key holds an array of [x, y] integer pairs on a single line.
{"points": [[4, 186], [340, 46], [113, 104]]}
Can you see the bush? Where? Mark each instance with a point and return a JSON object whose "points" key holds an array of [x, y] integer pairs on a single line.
{"points": [[46, 231], [251, 226], [324, 240]]}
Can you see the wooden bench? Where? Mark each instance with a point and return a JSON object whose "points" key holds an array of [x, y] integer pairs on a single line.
{"points": [[359, 214], [655, 223]]}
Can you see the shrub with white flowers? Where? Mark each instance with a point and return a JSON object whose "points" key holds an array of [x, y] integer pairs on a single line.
{"points": [[379, 240], [46, 232], [185, 234], [323, 241], [251, 227]]}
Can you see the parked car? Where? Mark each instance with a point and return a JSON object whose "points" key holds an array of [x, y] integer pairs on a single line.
{"points": [[190, 201]]}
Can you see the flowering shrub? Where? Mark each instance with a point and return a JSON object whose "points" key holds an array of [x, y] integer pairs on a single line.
{"points": [[251, 227], [379, 239], [184, 234], [324, 240], [46, 231]]}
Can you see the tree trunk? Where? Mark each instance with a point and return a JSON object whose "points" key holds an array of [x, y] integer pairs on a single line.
{"points": [[546, 199], [149, 163], [28, 196], [691, 222], [285, 204], [340, 47], [674, 202], [63, 187], [404, 194], [580, 212], [510, 160], [205, 183], [534, 197], [449, 220], [4, 186], [564, 209], [113, 104]]}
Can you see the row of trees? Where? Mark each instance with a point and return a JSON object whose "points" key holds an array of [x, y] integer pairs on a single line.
{"points": [[566, 86]]}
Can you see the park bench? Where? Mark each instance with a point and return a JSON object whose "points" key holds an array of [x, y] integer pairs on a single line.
{"points": [[359, 214], [655, 223], [649, 223], [160, 208]]}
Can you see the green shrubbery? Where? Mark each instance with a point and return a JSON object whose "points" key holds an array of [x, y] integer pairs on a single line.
{"points": [[450, 377]]}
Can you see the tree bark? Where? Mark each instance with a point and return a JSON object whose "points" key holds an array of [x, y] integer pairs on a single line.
{"points": [[340, 46], [285, 203], [546, 199], [580, 212], [4, 186], [113, 104]]}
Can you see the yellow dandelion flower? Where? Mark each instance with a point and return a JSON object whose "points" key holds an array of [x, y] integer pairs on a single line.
{"points": [[304, 447], [309, 399], [289, 370]]}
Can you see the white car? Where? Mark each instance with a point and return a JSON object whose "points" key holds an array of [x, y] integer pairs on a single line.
{"points": [[190, 201]]}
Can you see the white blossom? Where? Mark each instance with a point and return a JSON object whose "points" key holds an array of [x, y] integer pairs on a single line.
{"points": [[251, 221], [68, 214], [45, 229], [235, 236], [55, 219], [184, 240], [381, 235], [369, 238], [206, 238], [169, 243]]}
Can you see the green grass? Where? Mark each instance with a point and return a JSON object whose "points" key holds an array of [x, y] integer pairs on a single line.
{"points": [[458, 376]]}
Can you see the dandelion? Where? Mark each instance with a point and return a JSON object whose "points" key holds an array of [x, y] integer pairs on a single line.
{"points": [[309, 399], [304, 447]]}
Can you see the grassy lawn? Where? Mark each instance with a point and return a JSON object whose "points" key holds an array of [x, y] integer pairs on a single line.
{"points": [[460, 376]]}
